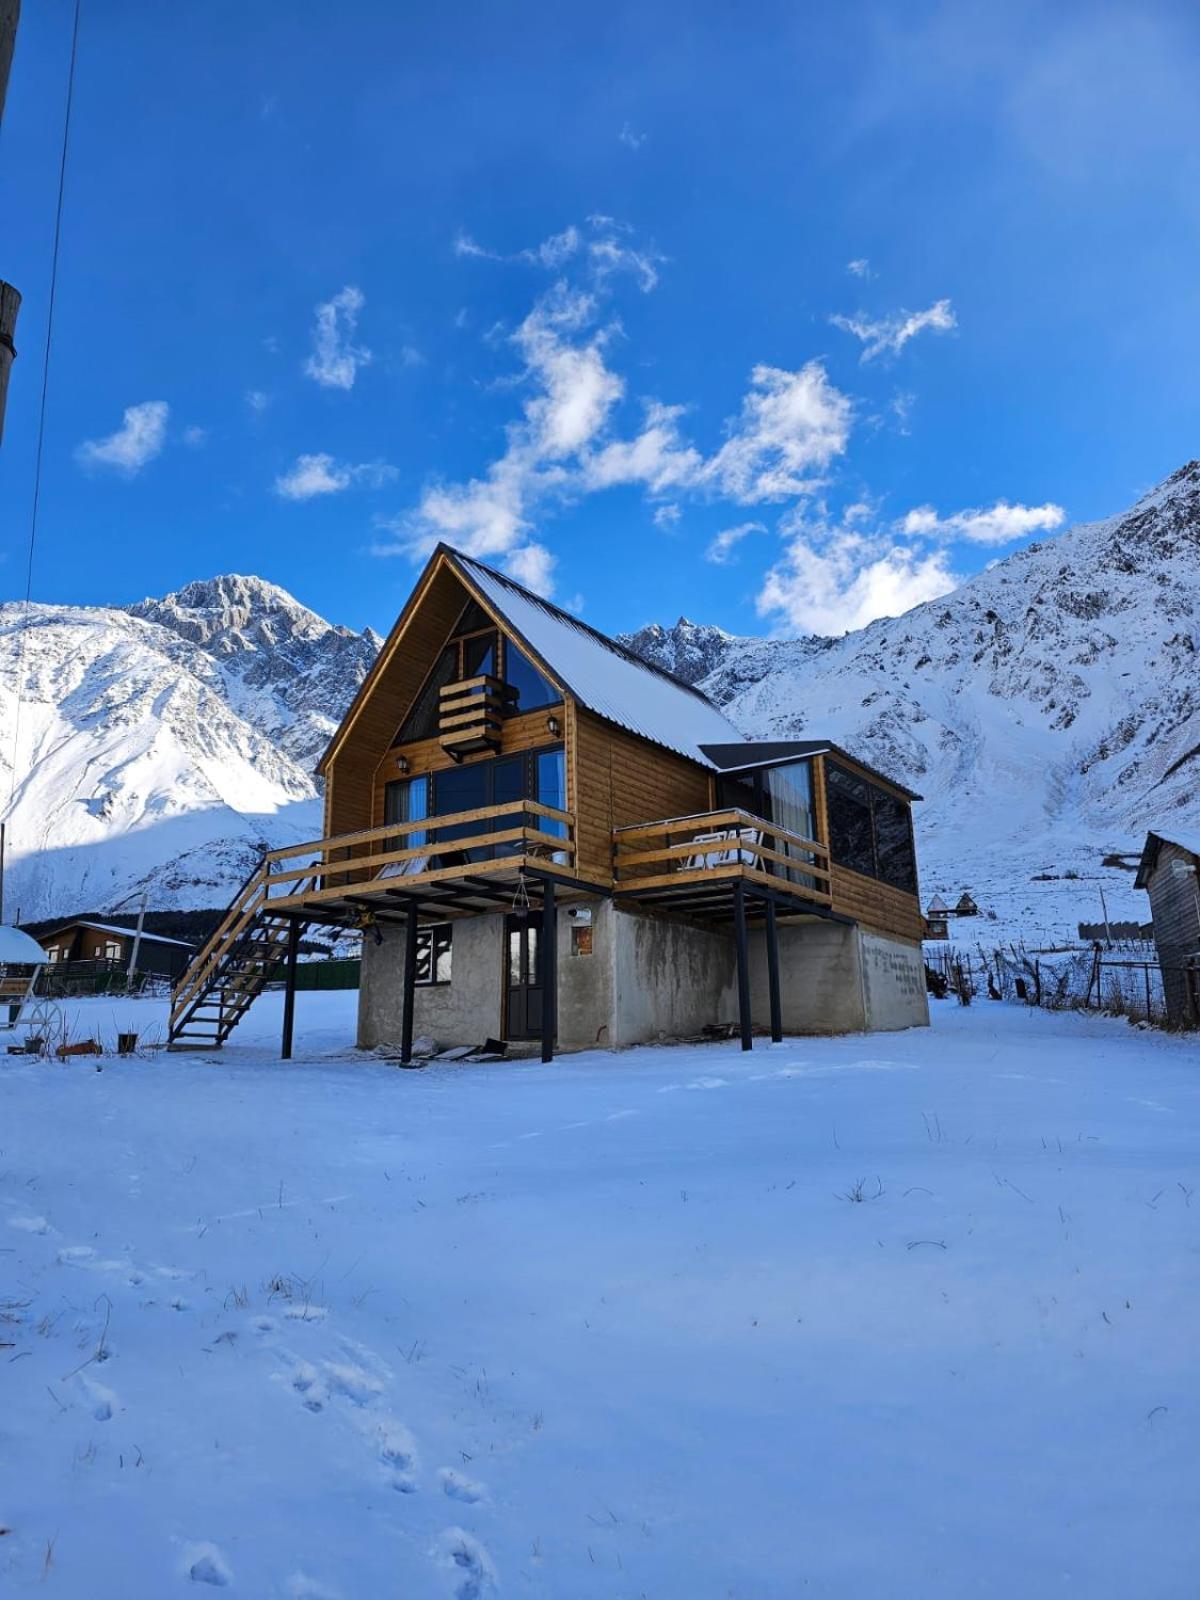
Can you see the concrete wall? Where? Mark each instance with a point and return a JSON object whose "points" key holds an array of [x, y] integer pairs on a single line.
{"points": [[464, 1011], [649, 978], [670, 978], [893, 983], [820, 978]]}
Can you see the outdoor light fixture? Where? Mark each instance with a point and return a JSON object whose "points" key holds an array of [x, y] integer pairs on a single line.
{"points": [[401, 763], [552, 723]]}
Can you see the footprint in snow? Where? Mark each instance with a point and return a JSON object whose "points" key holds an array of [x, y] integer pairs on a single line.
{"points": [[204, 1563], [397, 1451], [29, 1224], [99, 1397], [470, 1567], [352, 1383], [306, 1381], [461, 1488]]}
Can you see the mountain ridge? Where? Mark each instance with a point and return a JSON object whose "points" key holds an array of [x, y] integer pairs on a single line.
{"points": [[1049, 710]]}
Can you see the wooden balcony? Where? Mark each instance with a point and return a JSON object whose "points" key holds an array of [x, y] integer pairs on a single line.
{"points": [[454, 865], [698, 865], [470, 715]]}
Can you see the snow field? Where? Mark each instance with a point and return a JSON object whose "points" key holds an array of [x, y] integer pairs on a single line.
{"points": [[910, 1314]]}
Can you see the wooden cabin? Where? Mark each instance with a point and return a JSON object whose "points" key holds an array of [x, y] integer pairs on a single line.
{"points": [[101, 945], [546, 839], [1169, 871]]}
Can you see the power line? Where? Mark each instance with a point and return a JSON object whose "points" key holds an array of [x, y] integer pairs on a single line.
{"points": [[41, 431]]}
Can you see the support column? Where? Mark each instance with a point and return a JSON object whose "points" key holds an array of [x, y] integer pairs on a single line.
{"points": [[410, 983], [549, 969], [289, 988], [741, 946], [772, 939]]}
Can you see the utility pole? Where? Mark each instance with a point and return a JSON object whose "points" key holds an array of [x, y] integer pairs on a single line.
{"points": [[10, 298], [1107, 929], [137, 945], [3, 833]]}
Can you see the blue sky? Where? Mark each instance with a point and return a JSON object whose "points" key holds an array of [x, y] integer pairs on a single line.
{"points": [[780, 318]]}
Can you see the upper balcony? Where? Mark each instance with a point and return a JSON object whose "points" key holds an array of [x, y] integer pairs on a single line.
{"points": [[471, 714]]}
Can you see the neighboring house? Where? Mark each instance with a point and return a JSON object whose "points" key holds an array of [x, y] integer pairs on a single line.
{"points": [[1168, 872], [503, 761], [104, 942], [21, 959], [966, 907], [937, 919]]}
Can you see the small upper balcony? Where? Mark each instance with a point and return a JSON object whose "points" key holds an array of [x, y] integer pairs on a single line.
{"points": [[471, 715]]}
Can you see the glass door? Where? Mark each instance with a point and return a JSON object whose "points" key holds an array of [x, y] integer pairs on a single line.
{"points": [[524, 982]]}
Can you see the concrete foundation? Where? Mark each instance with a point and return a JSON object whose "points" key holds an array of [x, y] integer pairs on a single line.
{"points": [[649, 978]]}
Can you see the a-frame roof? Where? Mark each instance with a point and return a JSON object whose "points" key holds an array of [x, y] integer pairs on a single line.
{"points": [[598, 673]]}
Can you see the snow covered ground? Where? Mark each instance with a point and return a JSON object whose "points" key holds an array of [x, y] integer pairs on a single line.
{"points": [[619, 1327]]}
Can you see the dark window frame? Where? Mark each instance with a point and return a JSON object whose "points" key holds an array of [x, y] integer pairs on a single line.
{"points": [[902, 878], [434, 940]]}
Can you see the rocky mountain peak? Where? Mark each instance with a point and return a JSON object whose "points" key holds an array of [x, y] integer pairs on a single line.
{"points": [[689, 650]]}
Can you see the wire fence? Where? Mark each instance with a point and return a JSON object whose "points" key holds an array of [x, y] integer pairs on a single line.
{"points": [[1115, 982]]}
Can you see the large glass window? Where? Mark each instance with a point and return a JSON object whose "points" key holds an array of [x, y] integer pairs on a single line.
{"points": [[422, 721], [481, 655], [533, 775], [851, 839], [530, 689], [870, 829], [789, 794]]}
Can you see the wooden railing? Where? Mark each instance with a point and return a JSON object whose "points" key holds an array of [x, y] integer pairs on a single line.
{"points": [[719, 844], [490, 838], [470, 714]]}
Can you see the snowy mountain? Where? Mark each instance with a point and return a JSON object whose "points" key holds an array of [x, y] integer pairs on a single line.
{"points": [[1048, 709], [162, 745]]}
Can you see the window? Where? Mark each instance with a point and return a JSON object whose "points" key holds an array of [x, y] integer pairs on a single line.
{"points": [[422, 721], [530, 689], [778, 794], [534, 775], [851, 841], [112, 950], [435, 946], [406, 800], [870, 829]]}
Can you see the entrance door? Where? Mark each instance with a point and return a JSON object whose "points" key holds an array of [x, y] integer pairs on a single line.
{"points": [[523, 937]]}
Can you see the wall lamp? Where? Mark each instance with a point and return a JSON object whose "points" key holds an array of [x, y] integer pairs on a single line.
{"points": [[553, 725], [401, 763]]}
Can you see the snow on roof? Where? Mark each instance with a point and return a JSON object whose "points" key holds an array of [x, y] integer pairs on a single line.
{"points": [[937, 906], [112, 927], [18, 947], [601, 675], [1182, 840]]}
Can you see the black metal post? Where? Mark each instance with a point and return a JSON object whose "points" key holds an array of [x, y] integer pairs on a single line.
{"points": [[289, 989], [410, 983], [549, 969], [743, 963], [772, 937]]}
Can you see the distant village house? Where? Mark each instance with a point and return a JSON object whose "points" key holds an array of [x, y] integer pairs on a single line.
{"points": [[103, 942]]}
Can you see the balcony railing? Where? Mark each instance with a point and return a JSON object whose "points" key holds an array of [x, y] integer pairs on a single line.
{"points": [[403, 856], [470, 715], [719, 845]]}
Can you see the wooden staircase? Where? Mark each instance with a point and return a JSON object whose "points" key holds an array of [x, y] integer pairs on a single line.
{"points": [[226, 977]]}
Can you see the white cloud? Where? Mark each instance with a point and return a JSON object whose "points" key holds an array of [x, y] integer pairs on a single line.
{"points": [[998, 524], [552, 253], [888, 335], [320, 474], [194, 436], [860, 268], [834, 579], [532, 565], [721, 549], [657, 457], [630, 137], [667, 516], [335, 359], [257, 400], [609, 256], [578, 390], [791, 424], [138, 440]]}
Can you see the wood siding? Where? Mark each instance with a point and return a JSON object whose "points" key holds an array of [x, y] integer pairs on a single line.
{"points": [[621, 780], [877, 906], [1175, 908]]}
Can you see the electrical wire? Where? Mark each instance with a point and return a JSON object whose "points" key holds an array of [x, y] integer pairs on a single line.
{"points": [[41, 430]]}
